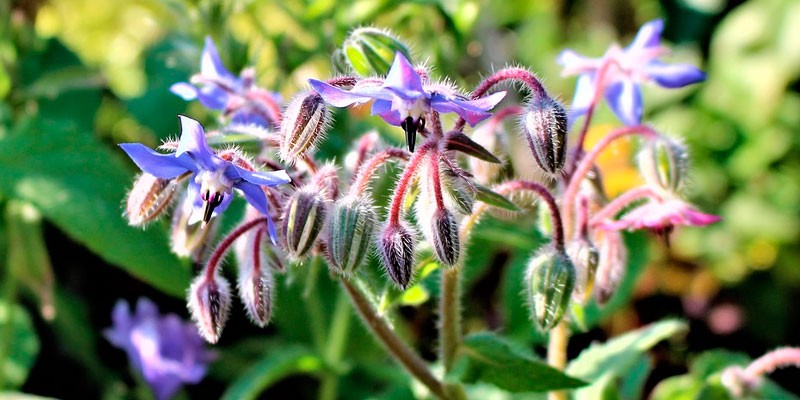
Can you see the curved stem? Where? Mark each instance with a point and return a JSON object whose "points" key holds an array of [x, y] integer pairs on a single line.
{"points": [[620, 202], [405, 181], [568, 200], [555, 213], [401, 352], [598, 91], [368, 169], [436, 179], [507, 74], [226, 243]]}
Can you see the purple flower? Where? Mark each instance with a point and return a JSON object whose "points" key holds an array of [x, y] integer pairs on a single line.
{"points": [[623, 70], [167, 351], [403, 101], [213, 178], [660, 215], [220, 90]]}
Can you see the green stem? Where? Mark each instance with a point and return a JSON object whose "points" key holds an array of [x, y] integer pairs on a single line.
{"points": [[401, 352], [450, 314], [337, 340], [315, 313], [557, 354]]}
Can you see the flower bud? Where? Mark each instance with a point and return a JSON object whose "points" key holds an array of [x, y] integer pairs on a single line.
{"points": [[445, 238], [396, 249], [585, 258], [545, 125], [303, 219], [664, 162], [550, 278], [371, 51], [610, 266], [149, 198], [255, 289], [190, 240], [350, 229], [209, 303], [256, 249], [305, 122]]}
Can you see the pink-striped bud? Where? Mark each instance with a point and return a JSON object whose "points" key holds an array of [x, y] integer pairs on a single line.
{"points": [[209, 303], [305, 122], [444, 237], [303, 219], [255, 285], [396, 245], [545, 125], [149, 198]]}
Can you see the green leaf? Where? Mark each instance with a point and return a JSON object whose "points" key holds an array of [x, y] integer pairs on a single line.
{"points": [[605, 363], [19, 345], [492, 198], [272, 368], [487, 358], [463, 143], [79, 186]]}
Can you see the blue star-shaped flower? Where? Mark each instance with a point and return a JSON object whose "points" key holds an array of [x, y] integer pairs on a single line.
{"points": [[624, 70], [218, 89], [403, 101], [212, 177]]}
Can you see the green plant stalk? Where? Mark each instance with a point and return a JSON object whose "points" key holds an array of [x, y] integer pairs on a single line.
{"points": [[10, 289], [557, 354], [314, 307], [401, 352], [337, 340], [450, 314]]}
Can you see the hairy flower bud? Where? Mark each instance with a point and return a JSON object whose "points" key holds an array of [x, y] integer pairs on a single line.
{"points": [[664, 162], [585, 258], [396, 248], [610, 266], [256, 248], [303, 219], [255, 286], [370, 51], [304, 124], [550, 278], [190, 240], [545, 127], [149, 198], [350, 229], [209, 303], [445, 238]]}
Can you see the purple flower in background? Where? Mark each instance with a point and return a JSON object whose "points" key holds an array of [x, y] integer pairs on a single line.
{"points": [[660, 215], [218, 89], [623, 70], [167, 351], [403, 101], [213, 178]]}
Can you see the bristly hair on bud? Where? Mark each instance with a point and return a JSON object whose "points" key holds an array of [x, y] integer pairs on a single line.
{"points": [[545, 126], [550, 279], [350, 230], [611, 265], [149, 198], [445, 237], [209, 303], [255, 281], [664, 163], [305, 123], [190, 240], [396, 244], [585, 257], [303, 220], [370, 51]]}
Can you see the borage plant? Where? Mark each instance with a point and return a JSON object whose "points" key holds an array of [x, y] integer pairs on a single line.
{"points": [[331, 213]]}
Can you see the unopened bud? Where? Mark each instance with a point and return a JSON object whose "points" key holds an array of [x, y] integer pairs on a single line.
{"points": [[190, 240], [371, 51], [585, 258], [149, 198], [545, 124], [396, 249], [305, 122], [255, 289], [664, 162], [326, 182], [256, 249], [550, 278], [209, 303], [445, 238], [303, 219], [351, 227], [610, 266]]}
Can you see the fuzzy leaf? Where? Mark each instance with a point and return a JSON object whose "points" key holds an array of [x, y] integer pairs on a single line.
{"points": [[492, 198]]}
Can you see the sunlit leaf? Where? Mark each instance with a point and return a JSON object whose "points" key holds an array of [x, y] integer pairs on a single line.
{"points": [[275, 366], [19, 347]]}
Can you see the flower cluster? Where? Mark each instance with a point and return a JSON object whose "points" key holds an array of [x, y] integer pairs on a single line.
{"points": [[449, 180]]}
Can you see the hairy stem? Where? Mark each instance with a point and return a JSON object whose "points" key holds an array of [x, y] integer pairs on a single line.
{"points": [[368, 169], [450, 314], [557, 353], [620, 202], [405, 180], [226, 243]]}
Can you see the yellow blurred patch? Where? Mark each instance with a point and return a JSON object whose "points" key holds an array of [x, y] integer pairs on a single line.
{"points": [[616, 162]]}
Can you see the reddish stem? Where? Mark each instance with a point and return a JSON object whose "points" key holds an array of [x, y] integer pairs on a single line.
{"points": [[544, 193], [622, 201], [405, 180], [601, 82], [436, 179], [368, 169], [226, 243], [514, 74]]}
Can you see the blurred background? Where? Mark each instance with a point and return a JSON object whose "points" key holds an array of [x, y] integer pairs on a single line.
{"points": [[79, 76]]}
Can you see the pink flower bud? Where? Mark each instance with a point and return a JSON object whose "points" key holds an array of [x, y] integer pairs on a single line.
{"points": [[545, 126], [209, 303], [255, 288], [396, 248], [305, 123], [444, 237], [585, 257], [149, 198]]}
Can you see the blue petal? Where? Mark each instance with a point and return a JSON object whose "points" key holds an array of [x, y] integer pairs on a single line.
{"points": [[402, 75], [211, 65], [473, 111], [674, 75], [213, 96], [193, 142], [383, 108], [160, 165], [184, 90], [625, 100], [649, 35], [584, 94], [254, 195], [337, 97], [271, 178]]}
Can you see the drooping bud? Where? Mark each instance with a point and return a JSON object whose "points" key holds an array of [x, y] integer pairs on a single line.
{"points": [[149, 198], [303, 219], [350, 230], [396, 248], [255, 281], [190, 240], [256, 248], [611, 265], [305, 122], [664, 162], [209, 303], [550, 278], [445, 239], [585, 258], [371, 51], [545, 126]]}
